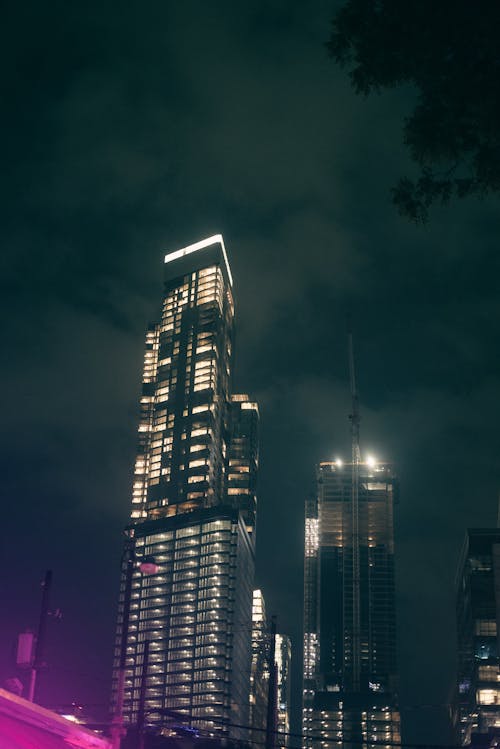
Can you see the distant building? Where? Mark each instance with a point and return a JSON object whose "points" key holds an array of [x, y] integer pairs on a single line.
{"points": [[283, 662], [259, 674], [350, 675], [193, 510], [477, 700]]}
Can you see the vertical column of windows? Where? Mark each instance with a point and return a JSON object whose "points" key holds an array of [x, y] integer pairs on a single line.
{"points": [[203, 356], [154, 615], [167, 448], [205, 373], [243, 458], [213, 631], [167, 375], [142, 463], [132, 639], [151, 355], [183, 609], [180, 382], [210, 287]]}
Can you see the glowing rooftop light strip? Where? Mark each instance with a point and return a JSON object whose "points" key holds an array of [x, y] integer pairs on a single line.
{"points": [[216, 239]]}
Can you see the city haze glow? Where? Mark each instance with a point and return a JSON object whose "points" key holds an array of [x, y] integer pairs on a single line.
{"points": [[215, 239]]}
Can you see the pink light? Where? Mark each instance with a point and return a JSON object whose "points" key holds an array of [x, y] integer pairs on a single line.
{"points": [[148, 568]]}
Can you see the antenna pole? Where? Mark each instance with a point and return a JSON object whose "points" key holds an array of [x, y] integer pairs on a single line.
{"points": [[356, 459]]}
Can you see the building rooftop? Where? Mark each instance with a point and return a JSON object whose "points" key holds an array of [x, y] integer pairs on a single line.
{"points": [[216, 239]]}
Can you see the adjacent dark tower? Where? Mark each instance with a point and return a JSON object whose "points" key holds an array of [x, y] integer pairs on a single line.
{"points": [[188, 568], [350, 675], [476, 708]]}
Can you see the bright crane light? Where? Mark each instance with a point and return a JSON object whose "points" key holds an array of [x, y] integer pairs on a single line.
{"points": [[370, 461]]}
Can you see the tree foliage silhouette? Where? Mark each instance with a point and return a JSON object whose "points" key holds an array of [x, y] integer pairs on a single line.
{"points": [[449, 50]]}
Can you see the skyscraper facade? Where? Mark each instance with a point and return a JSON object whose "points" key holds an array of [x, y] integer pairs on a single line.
{"points": [[477, 699], [350, 677], [183, 429], [191, 535]]}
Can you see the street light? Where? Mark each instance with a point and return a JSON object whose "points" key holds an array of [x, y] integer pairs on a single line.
{"points": [[147, 566]]}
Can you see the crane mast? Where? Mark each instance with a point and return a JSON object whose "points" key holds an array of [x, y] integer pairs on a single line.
{"points": [[356, 459]]}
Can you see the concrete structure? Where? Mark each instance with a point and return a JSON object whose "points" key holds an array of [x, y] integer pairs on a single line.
{"points": [[350, 677]]}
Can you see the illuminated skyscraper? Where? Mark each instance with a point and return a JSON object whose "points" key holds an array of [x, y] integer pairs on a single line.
{"points": [[183, 429], [477, 699], [350, 676], [193, 510]]}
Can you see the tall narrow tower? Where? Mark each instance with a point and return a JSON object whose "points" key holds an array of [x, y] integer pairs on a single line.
{"points": [[187, 573]]}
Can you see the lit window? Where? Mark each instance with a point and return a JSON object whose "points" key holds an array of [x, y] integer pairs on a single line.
{"points": [[486, 627], [488, 697], [197, 463], [488, 673], [197, 448], [208, 272], [199, 432], [204, 349]]}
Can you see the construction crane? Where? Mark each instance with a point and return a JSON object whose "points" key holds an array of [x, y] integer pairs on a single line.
{"points": [[356, 459]]}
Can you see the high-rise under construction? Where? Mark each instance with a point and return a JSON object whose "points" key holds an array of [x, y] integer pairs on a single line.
{"points": [[350, 675]]}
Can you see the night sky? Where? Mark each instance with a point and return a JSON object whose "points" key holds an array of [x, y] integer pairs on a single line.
{"points": [[136, 128]]}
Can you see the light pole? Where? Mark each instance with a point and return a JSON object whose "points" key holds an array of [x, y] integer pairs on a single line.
{"points": [[39, 655], [147, 566]]}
